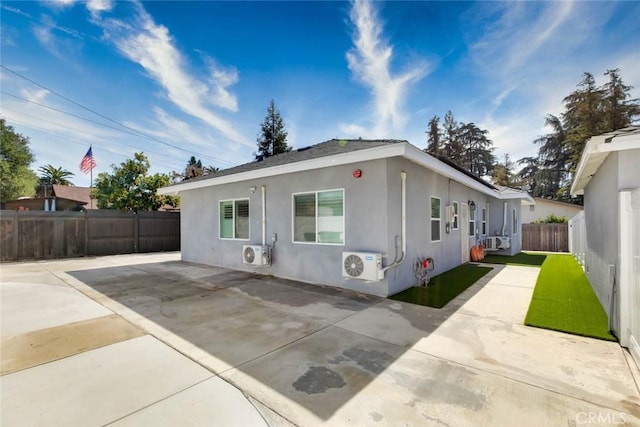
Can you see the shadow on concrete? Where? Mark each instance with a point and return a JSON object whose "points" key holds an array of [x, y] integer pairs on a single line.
{"points": [[304, 342]]}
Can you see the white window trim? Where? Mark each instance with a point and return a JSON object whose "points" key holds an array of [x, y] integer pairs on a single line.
{"points": [[233, 201], [472, 221], [293, 217], [514, 225], [483, 221], [431, 219], [456, 219]]}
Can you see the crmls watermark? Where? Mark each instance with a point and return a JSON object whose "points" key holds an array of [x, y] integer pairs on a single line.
{"points": [[601, 418]]}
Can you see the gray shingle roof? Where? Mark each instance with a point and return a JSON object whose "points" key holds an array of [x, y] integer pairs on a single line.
{"points": [[323, 149]]}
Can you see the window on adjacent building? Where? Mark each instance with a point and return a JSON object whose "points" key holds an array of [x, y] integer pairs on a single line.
{"points": [[234, 219], [435, 219], [515, 222], [456, 209], [318, 217], [483, 218], [472, 222]]}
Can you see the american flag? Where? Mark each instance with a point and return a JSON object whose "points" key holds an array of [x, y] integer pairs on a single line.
{"points": [[88, 162]]}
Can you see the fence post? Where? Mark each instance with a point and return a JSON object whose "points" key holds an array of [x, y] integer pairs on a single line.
{"points": [[136, 232], [16, 237]]}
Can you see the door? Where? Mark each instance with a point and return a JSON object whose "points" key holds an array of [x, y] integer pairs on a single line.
{"points": [[464, 232]]}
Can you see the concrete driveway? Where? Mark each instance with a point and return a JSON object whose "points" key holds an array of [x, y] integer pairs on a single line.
{"points": [[150, 340]]}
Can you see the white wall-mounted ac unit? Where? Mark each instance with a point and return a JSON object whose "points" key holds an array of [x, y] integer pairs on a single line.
{"points": [[494, 243], [255, 255], [362, 265]]}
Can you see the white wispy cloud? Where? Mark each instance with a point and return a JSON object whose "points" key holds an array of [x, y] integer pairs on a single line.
{"points": [[151, 45], [370, 63], [99, 6]]}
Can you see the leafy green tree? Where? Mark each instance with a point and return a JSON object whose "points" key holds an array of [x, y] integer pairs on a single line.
{"points": [[434, 138], [272, 138], [16, 178], [130, 187], [50, 175]]}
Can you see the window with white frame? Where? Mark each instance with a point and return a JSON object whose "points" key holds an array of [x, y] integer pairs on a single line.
{"points": [[472, 222], [234, 219], [456, 210], [435, 219], [483, 218], [515, 222], [318, 217]]}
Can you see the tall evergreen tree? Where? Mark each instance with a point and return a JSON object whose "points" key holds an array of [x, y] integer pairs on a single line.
{"points": [[434, 138], [272, 138], [478, 155], [619, 111], [453, 147], [583, 117], [503, 173]]}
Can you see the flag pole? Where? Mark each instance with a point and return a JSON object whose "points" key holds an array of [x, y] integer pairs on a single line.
{"points": [[91, 179]]}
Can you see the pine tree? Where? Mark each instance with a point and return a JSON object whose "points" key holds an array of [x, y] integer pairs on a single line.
{"points": [[272, 138], [478, 155], [619, 112], [434, 138], [453, 148], [503, 173]]}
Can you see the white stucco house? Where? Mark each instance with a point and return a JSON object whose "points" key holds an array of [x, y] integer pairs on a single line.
{"points": [[606, 237], [545, 207], [356, 214]]}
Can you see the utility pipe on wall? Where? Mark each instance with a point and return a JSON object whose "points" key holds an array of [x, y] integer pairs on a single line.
{"points": [[403, 215], [264, 214], [504, 218]]}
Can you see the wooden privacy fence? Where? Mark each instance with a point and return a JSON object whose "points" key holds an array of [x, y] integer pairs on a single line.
{"points": [[545, 237], [43, 235]]}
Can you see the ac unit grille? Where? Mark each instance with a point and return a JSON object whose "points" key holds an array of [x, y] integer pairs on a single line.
{"points": [[249, 254], [353, 265]]}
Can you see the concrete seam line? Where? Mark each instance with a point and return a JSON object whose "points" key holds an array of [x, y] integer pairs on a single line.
{"points": [[629, 360], [160, 400]]}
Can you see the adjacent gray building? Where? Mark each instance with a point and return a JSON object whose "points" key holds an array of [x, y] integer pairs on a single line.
{"points": [[605, 238], [356, 214]]}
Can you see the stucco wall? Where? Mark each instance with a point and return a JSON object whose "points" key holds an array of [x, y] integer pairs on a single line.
{"points": [[543, 208], [365, 224], [372, 222]]}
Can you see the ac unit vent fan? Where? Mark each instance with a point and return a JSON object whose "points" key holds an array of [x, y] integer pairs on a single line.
{"points": [[353, 265]]}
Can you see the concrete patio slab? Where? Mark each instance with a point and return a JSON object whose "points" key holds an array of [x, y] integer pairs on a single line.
{"points": [[98, 386], [299, 354], [335, 377], [31, 306], [45, 345]]}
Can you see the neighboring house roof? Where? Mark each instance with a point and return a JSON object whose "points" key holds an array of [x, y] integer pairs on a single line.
{"points": [[69, 192], [340, 152], [557, 202], [597, 150]]}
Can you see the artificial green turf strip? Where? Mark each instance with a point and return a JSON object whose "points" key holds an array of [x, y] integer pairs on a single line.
{"points": [[443, 287], [563, 300], [522, 258]]}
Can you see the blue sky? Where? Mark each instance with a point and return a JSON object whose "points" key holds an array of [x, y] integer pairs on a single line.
{"points": [[195, 78]]}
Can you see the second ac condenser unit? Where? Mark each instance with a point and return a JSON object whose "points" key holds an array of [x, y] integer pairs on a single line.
{"points": [[494, 243]]}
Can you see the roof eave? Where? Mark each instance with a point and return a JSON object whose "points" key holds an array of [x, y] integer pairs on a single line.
{"points": [[403, 149]]}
